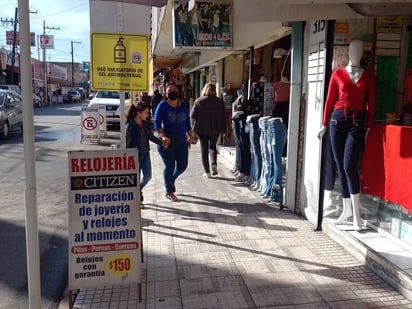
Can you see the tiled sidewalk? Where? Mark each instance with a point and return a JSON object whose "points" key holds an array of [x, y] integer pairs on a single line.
{"points": [[224, 246]]}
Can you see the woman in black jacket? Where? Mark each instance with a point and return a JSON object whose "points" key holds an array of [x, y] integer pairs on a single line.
{"points": [[208, 122], [138, 133]]}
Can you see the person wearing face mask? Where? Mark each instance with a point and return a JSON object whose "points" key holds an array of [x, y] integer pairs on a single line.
{"points": [[172, 122]]}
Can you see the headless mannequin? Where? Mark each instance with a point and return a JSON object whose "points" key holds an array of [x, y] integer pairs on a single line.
{"points": [[351, 206]]}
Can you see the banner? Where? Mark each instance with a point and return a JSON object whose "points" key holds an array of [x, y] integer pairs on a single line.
{"points": [[10, 38], [104, 218], [208, 24], [124, 64], [46, 41]]}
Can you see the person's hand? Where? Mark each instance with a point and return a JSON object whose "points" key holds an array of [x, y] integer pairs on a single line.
{"points": [[322, 131], [165, 141], [366, 134]]}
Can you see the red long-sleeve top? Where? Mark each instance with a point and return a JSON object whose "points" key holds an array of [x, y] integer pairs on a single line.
{"points": [[344, 94]]}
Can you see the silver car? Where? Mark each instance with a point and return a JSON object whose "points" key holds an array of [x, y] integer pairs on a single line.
{"points": [[11, 112]]}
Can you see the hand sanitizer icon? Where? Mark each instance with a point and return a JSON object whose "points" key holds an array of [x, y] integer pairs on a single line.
{"points": [[120, 51]]}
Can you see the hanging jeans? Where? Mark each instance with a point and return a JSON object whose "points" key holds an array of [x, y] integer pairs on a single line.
{"points": [[254, 135], [264, 175], [278, 132], [238, 142], [245, 155], [347, 137]]}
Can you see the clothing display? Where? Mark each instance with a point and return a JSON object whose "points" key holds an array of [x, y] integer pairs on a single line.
{"points": [[254, 135], [345, 95], [278, 133], [261, 98], [243, 156], [349, 111]]}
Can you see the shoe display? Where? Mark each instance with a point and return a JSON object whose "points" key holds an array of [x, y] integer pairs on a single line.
{"points": [[171, 196], [206, 175], [214, 170]]}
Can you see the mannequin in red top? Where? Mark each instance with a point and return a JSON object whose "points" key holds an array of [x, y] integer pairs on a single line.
{"points": [[349, 112]]}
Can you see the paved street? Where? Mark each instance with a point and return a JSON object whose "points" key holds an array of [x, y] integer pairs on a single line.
{"points": [[224, 246]]}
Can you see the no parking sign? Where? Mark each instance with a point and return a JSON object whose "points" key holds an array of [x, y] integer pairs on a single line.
{"points": [[90, 124]]}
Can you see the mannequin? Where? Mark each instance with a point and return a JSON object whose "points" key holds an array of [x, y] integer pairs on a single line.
{"points": [[349, 112]]}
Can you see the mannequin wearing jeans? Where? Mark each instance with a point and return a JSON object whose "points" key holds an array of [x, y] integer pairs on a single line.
{"points": [[349, 112], [278, 141], [256, 166]]}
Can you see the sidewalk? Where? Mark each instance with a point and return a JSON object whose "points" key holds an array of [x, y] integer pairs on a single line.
{"points": [[224, 246]]}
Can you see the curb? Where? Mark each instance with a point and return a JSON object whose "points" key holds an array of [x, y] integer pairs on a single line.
{"points": [[373, 260]]}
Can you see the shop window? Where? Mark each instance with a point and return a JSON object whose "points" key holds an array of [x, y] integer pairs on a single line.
{"points": [[386, 82]]}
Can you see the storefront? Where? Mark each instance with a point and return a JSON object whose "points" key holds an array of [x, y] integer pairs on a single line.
{"points": [[385, 200]]}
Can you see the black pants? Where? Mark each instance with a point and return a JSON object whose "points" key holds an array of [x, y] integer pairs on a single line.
{"points": [[208, 148], [347, 137]]}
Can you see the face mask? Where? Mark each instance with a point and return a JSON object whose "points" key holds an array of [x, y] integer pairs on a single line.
{"points": [[172, 95]]}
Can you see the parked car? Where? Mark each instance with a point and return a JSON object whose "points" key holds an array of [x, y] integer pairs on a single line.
{"points": [[74, 96], [14, 88], [11, 112], [111, 101], [67, 98], [91, 95], [36, 100]]}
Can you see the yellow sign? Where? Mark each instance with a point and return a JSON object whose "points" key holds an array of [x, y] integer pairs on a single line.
{"points": [[120, 61], [389, 24]]}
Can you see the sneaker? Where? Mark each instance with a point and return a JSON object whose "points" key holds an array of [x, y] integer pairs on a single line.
{"points": [[214, 169], [206, 175], [171, 196]]}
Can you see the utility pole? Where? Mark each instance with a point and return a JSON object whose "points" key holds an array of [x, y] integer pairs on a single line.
{"points": [[46, 91], [73, 42], [13, 52]]}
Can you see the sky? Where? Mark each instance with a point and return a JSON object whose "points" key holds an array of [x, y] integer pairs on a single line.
{"points": [[71, 16]]}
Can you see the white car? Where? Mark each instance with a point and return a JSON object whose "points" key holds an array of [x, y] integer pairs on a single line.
{"points": [[111, 101]]}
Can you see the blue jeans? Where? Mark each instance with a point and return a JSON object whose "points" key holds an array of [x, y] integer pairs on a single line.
{"points": [[254, 134], [264, 175], [236, 134], [330, 166], [347, 137], [145, 167], [278, 132], [243, 156], [175, 160]]}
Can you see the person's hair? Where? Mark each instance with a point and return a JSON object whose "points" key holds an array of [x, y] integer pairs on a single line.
{"points": [[135, 108], [171, 84], [209, 90]]}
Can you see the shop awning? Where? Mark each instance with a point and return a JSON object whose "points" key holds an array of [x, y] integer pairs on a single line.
{"points": [[300, 10], [156, 3]]}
